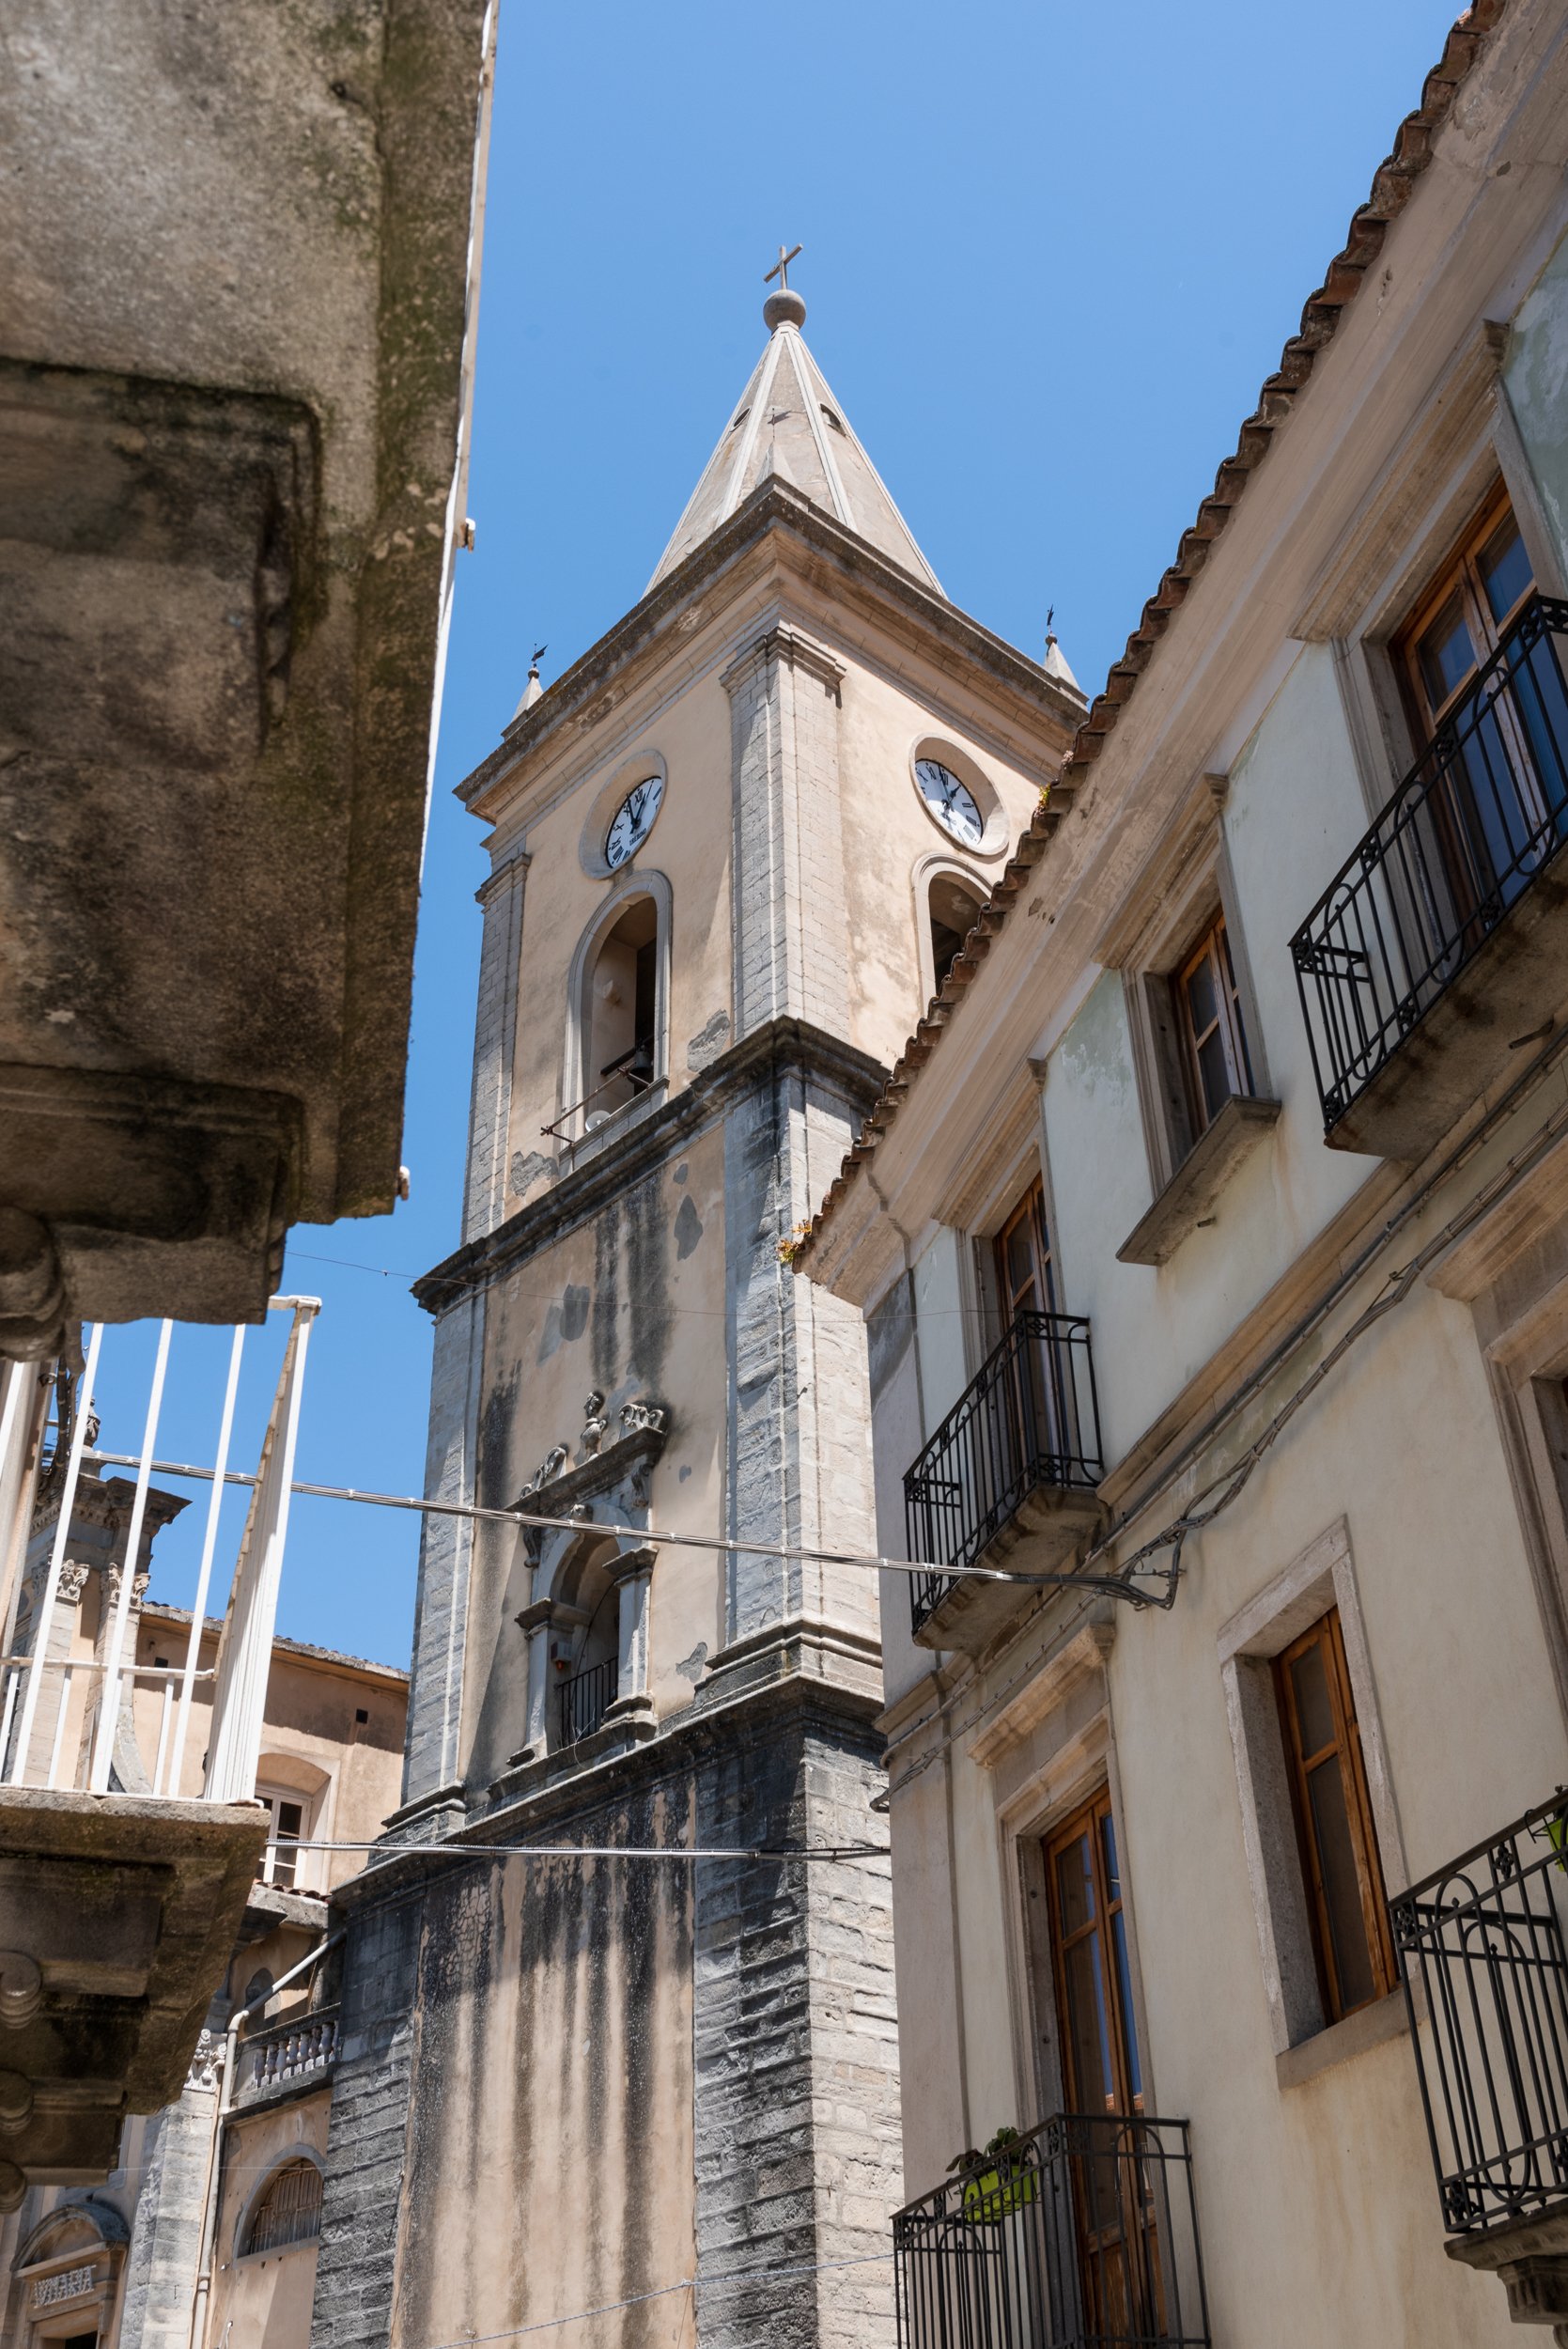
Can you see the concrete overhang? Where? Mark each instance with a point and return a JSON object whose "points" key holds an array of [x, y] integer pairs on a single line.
{"points": [[117, 1917], [237, 293]]}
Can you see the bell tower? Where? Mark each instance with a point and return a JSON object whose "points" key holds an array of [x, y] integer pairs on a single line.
{"points": [[729, 849]]}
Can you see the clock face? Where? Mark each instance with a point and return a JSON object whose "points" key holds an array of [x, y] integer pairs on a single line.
{"points": [[633, 821], [950, 802]]}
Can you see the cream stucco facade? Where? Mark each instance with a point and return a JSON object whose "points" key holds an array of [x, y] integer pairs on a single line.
{"points": [[1329, 1376]]}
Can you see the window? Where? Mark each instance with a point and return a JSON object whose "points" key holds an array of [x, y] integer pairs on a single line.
{"points": [[1346, 1903], [1024, 1276], [1488, 807], [279, 1861], [289, 2210], [1100, 2071], [1214, 1039], [952, 911], [622, 1013], [1464, 614]]}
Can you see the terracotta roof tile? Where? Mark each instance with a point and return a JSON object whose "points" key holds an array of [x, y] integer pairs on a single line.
{"points": [[1392, 185]]}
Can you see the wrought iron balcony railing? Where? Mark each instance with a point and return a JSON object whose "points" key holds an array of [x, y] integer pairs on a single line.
{"points": [[294, 2053], [1083, 2234], [585, 1699], [1030, 1418], [1481, 813], [1484, 1940]]}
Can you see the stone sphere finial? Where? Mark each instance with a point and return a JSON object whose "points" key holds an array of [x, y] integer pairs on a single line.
{"points": [[784, 308]]}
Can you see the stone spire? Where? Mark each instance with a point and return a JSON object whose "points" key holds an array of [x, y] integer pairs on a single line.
{"points": [[787, 421]]}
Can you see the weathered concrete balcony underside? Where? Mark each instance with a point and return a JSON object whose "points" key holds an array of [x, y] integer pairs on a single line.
{"points": [[235, 305], [118, 1915], [1052, 1526]]}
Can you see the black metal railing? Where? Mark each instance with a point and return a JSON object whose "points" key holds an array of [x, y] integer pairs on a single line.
{"points": [[585, 1699], [622, 1081], [1481, 812], [1481, 1948], [1030, 1418], [1081, 2235]]}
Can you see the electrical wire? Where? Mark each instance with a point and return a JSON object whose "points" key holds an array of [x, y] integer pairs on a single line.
{"points": [[1229, 1486], [589, 1851], [650, 1535], [662, 2291]]}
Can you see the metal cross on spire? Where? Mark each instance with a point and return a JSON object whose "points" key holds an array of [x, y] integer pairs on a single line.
{"points": [[781, 270]]}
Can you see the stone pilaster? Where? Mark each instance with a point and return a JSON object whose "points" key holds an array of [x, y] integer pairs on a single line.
{"points": [[790, 928], [165, 2239], [365, 2189], [494, 1045], [445, 1552], [795, 2037], [799, 1466]]}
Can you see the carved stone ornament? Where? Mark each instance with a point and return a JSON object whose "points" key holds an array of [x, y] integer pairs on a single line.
{"points": [[207, 2062], [547, 1470], [112, 1583], [644, 1418], [593, 1426]]}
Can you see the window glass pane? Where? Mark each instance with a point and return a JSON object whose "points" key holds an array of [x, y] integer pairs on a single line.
{"points": [[1313, 1711], [1094, 2083], [1020, 1265], [1342, 1890], [1202, 1000], [1075, 1885], [1505, 571], [1112, 1873], [1214, 1074], [1445, 653]]}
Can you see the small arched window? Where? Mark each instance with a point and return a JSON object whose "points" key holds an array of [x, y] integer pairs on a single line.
{"points": [[620, 1016], [289, 2211], [953, 908], [585, 1664]]}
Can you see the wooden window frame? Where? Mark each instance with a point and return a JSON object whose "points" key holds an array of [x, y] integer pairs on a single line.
{"points": [[1213, 945], [1030, 1209], [1327, 1635], [1458, 573], [1089, 1819]]}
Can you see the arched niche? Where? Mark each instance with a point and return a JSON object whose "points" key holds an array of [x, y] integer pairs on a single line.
{"points": [[263, 2213]]}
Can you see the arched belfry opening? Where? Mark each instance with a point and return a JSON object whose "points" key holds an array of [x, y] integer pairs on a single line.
{"points": [[621, 1012], [953, 907]]}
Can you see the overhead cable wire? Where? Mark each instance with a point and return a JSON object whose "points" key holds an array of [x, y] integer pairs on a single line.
{"points": [[664, 1538], [1229, 1484], [663, 2292]]}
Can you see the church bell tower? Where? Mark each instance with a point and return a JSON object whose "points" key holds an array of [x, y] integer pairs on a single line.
{"points": [[733, 849]]}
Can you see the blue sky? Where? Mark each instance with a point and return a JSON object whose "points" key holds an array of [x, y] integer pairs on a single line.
{"points": [[1051, 253]]}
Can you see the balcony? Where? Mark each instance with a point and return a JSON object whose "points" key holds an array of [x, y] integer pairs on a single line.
{"points": [[129, 1837], [282, 2059], [1083, 2235], [1018, 1455], [584, 1701], [1443, 940]]}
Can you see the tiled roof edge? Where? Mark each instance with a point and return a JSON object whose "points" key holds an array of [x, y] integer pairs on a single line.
{"points": [[1392, 185]]}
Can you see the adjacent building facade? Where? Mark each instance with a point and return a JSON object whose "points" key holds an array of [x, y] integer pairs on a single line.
{"points": [[1212, 1237], [205, 2229], [730, 849]]}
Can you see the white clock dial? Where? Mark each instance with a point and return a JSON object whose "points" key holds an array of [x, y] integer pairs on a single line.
{"points": [[950, 802], [633, 821]]}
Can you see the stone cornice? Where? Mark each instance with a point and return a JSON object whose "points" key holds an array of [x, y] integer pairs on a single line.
{"points": [[684, 1741], [782, 1046], [600, 681]]}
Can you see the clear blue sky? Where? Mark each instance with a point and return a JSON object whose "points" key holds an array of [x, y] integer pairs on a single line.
{"points": [[1051, 253]]}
